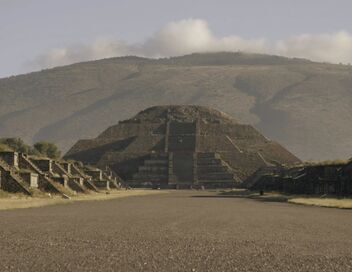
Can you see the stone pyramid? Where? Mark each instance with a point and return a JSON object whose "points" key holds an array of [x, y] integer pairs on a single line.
{"points": [[181, 146]]}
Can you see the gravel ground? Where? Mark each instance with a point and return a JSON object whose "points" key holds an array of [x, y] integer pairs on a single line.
{"points": [[177, 231]]}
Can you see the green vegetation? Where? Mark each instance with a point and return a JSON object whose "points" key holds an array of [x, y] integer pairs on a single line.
{"points": [[4, 147], [40, 149], [48, 149], [16, 144]]}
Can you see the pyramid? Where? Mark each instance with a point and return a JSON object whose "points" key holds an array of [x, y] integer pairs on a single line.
{"points": [[181, 146]]}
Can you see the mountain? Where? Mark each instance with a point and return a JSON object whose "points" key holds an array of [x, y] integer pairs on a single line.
{"points": [[305, 106]]}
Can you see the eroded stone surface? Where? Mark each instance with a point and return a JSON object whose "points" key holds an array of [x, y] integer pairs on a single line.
{"points": [[181, 145]]}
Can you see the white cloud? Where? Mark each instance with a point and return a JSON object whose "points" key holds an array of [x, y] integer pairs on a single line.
{"points": [[328, 47], [194, 35], [101, 48]]}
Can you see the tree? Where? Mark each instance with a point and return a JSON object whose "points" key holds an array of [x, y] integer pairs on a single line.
{"points": [[16, 144], [47, 149], [4, 147]]}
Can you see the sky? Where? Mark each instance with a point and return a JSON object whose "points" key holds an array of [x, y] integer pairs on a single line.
{"points": [[39, 34]]}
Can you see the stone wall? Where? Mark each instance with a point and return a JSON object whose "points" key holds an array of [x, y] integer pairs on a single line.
{"points": [[10, 184], [310, 179], [45, 165], [95, 174], [32, 179], [66, 166], [182, 167], [11, 158], [125, 164]]}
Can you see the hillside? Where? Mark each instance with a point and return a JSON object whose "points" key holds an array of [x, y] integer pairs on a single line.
{"points": [[305, 106]]}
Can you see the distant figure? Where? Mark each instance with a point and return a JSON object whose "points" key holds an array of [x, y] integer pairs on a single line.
{"points": [[261, 192]]}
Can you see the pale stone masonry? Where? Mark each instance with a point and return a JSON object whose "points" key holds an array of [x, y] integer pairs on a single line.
{"points": [[317, 179], [26, 174], [181, 146]]}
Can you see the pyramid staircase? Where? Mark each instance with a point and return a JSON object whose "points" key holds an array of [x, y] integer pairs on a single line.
{"points": [[154, 170], [16, 183], [87, 182], [211, 169], [44, 180], [73, 184], [112, 180]]}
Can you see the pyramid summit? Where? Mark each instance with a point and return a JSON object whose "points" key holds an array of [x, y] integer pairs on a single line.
{"points": [[183, 113], [181, 146]]}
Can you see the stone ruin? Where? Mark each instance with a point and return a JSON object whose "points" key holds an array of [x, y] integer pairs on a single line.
{"points": [[181, 146], [21, 173], [317, 179]]}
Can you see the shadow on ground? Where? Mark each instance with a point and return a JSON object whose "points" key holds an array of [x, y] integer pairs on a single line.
{"points": [[242, 193]]}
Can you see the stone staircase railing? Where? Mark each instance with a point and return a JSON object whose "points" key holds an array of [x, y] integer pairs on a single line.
{"points": [[212, 168], [229, 168], [112, 180], [48, 180], [87, 179], [17, 178], [61, 169], [256, 176], [76, 186], [267, 163], [54, 185], [34, 167], [233, 144], [79, 171]]}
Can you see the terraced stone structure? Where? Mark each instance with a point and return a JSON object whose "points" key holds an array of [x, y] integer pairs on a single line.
{"points": [[181, 146], [326, 178], [31, 175]]}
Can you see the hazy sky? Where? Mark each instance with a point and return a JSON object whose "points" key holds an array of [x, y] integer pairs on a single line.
{"points": [[36, 34]]}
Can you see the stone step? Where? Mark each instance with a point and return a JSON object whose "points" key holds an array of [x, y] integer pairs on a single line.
{"points": [[211, 168], [209, 161], [177, 143], [159, 156], [152, 168], [15, 177], [156, 175], [150, 178], [165, 172], [209, 155], [229, 181], [90, 185], [215, 175], [182, 128], [28, 161], [155, 162]]}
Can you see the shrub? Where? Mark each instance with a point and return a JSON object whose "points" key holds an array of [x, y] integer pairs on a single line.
{"points": [[47, 149], [16, 144]]}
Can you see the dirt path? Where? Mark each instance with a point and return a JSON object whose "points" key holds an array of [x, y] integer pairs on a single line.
{"points": [[177, 231], [21, 202]]}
